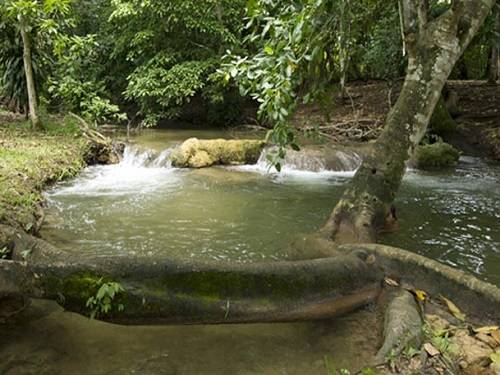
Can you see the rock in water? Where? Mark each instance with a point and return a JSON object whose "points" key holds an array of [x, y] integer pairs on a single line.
{"points": [[434, 156], [195, 153]]}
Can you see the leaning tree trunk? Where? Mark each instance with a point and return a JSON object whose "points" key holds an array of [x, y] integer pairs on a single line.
{"points": [[30, 80], [495, 48], [433, 48]]}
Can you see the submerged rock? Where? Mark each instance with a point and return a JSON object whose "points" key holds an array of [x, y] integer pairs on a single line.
{"points": [[435, 156], [313, 159], [195, 153]]}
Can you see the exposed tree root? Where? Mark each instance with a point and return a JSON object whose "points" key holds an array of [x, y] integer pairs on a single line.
{"points": [[160, 290], [402, 326]]}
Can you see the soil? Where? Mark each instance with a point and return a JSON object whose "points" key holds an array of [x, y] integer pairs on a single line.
{"points": [[368, 103]]}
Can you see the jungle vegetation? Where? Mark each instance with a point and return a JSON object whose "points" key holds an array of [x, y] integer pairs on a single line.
{"points": [[146, 62]]}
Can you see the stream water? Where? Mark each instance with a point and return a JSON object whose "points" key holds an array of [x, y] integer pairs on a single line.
{"points": [[242, 214], [248, 213]]}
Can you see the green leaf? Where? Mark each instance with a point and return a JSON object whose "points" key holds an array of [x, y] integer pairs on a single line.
{"points": [[268, 50], [252, 7], [495, 357]]}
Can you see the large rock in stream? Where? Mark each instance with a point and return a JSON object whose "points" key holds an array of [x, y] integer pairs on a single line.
{"points": [[196, 153]]}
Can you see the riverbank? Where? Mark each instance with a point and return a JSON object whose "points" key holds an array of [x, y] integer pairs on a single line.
{"points": [[31, 160], [360, 116]]}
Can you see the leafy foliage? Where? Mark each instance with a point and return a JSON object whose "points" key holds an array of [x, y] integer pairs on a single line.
{"points": [[172, 48], [162, 85], [294, 61], [74, 81], [382, 53], [43, 21], [102, 302], [160, 59]]}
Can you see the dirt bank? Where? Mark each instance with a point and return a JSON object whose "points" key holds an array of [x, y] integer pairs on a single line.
{"points": [[31, 160], [360, 116]]}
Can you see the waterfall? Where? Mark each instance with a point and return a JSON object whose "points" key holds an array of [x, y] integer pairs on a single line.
{"points": [[137, 157], [313, 160]]}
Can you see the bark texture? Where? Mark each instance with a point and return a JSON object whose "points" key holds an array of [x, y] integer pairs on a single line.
{"points": [[433, 47], [30, 79], [160, 290], [495, 48]]}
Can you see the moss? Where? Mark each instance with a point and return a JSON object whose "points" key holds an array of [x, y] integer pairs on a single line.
{"points": [[29, 161], [194, 153], [80, 287], [435, 156], [441, 122], [476, 60]]}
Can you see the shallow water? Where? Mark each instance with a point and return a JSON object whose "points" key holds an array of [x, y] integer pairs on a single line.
{"points": [[248, 213], [244, 214], [48, 341]]}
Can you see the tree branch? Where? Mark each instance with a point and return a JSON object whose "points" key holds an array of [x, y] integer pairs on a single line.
{"points": [[423, 12], [409, 15]]}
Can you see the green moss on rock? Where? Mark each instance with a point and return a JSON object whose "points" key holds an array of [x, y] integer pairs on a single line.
{"points": [[476, 60], [435, 156], [195, 153], [441, 122]]}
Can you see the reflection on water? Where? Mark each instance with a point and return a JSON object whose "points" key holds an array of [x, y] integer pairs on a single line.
{"points": [[48, 341]]}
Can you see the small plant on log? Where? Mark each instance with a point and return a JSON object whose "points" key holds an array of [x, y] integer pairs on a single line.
{"points": [[101, 303]]}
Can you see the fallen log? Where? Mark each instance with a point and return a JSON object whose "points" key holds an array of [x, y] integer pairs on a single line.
{"points": [[159, 290]]}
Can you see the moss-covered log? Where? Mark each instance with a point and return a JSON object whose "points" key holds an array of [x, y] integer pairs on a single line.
{"points": [[159, 290], [196, 153]]}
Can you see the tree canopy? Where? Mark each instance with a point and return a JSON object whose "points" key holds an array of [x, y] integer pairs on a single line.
{"points": [[149, 61]]}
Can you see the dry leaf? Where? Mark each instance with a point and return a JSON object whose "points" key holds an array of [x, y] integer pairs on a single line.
{"points": [[421, 295], [496, 335], [453, 309], [431, 349], [487, 329], [391, 282]]}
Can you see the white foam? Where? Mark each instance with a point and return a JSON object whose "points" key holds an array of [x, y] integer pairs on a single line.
{"points": [[139, 172]]}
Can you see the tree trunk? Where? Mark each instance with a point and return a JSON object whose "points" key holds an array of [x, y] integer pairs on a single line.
{"points": [[160, 290], [30, 80], [345, 35], [433, 49], [495, 48]]}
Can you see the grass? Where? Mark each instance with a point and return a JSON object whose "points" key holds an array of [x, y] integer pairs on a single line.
{"points": [[30, 160]]}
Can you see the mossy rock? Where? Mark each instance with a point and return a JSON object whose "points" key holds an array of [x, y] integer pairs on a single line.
{"points": [[441, 122], [195, 153], [435, 156], [476, 60]]}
